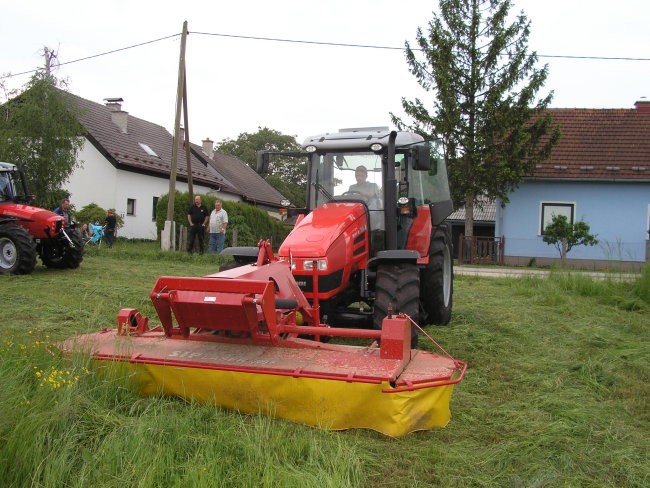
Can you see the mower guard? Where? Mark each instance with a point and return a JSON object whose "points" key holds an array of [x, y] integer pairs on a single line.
{"points": [[247, 339]]}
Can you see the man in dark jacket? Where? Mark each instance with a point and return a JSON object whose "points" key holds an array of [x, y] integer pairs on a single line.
{"points": [[63, 211], [197, 218], [110, 226]]}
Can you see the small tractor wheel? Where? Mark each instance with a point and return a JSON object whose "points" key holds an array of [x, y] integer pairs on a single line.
{"points": [[73, 256], [58, 254], [398, 289], [17, 250], [438, 278]]}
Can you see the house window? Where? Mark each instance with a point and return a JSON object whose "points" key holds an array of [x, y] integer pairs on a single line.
{"points": [[551, 209], [130, 206], [153, 212]]}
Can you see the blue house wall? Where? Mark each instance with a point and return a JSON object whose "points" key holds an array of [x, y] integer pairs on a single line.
{"points": [[617, 212]]}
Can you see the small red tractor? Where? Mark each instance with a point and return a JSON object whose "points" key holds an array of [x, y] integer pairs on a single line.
{"points": [[27, 231], [379, 252]]}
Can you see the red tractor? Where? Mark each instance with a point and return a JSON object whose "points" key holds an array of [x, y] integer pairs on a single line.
{"points": [[380, 245], [27, 231]]}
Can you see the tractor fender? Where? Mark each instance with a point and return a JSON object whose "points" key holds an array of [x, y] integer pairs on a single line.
{"points": [[440, 211], [246, 254]]}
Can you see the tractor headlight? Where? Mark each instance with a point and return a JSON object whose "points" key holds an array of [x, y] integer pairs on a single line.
{"points": [[376, 147], [308, 265]]}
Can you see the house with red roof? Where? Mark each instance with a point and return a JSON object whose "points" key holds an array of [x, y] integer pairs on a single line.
{"points": [[599, 173], [125, 164]]}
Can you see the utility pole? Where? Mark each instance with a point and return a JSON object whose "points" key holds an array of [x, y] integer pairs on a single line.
{"points": [[49, 57], [188, 161], [168, 238]]}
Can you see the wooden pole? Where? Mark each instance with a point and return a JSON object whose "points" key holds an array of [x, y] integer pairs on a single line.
{"points": [[188, 163], [177, 123]]}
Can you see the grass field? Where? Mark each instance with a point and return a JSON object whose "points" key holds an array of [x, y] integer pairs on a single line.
{"points": [[556, 394]]}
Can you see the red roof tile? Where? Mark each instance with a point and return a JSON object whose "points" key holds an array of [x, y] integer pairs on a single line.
{"points": [[602, 144]]}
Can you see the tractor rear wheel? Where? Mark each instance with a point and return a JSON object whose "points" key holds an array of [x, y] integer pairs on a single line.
{"points": [[397, 290], [438, 278], [17, 250]]}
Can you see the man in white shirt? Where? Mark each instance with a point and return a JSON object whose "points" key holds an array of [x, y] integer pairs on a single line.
{"points": [[218, 224]]}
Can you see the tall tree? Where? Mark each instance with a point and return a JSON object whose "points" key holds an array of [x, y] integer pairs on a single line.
{"points": [[485, 109], [286, 174], [41, 133]]}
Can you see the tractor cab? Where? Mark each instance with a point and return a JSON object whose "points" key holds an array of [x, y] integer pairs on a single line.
{"points": [[391, 180], [12, 186]]}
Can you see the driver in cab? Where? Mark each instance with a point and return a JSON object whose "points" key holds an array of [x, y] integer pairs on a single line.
{"points": [[362, 186]]}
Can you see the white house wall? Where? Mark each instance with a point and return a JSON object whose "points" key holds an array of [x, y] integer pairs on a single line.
{"points": [[99, 182], [94, 181]]}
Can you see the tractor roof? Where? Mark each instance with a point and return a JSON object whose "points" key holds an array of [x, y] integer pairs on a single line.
{"points": [[358, 139], [7, 166]]}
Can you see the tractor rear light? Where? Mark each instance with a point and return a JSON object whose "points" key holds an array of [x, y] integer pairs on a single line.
{"points": [[308, 264]]}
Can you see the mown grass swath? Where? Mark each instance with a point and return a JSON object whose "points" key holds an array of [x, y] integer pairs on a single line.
{"points": [[556, 393]]}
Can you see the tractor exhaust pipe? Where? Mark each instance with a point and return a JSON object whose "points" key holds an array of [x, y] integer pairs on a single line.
{"points": [[390, 192]]}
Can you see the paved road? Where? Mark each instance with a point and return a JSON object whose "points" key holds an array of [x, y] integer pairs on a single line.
{"points": [[503, 272]]}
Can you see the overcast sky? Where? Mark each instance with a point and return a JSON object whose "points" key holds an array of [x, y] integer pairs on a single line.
{"points": [[236, 85]]}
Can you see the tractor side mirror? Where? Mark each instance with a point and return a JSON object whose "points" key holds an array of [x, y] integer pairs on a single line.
{"points": [[421, 157], [263, 159]]}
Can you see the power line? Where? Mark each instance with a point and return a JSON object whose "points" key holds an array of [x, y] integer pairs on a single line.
{"points": [[95, 55], [320, 43], [296, 41], [370, 46]]}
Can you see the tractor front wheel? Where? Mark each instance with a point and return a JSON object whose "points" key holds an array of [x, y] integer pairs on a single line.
{"points": [[397, 290], [438, 278], [59, 254], [17, 250]]}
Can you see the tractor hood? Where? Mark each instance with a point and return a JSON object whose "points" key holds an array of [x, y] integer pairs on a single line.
{"points": [[39, 222], [316, 233], [28, 212]]}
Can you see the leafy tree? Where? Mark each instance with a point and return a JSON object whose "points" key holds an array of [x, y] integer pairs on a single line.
{"points": [[485, 85], [565, 236], [288, 175], [40, 132]]}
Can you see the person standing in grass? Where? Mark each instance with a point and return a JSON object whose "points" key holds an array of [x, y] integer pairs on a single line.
{"points": [[110, 227], [197, 218], [218, 224], [63, 211]]}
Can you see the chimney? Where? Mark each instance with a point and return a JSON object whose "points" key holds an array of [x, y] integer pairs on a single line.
{"points": [[208, 147], [118, 116], [642, 106], [181, 136]]}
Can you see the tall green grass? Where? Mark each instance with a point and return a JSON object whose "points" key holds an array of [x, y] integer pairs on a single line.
{"points": [[556, 393]]}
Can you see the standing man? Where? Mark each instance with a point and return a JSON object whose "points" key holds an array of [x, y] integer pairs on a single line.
{"points": [[218, 224], [110, 226], [197, 218], [62, 210]]}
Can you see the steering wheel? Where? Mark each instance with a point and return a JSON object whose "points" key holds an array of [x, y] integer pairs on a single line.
{"points": [[353, 193]]}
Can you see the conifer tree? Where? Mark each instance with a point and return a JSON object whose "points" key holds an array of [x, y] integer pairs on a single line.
{"points": [[485, 105]]}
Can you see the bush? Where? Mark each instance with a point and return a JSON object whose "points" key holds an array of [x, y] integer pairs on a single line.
{"points": [[94, 214]]}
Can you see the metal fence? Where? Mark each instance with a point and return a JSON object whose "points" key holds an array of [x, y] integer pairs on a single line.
{"points": [[475, 249]]}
